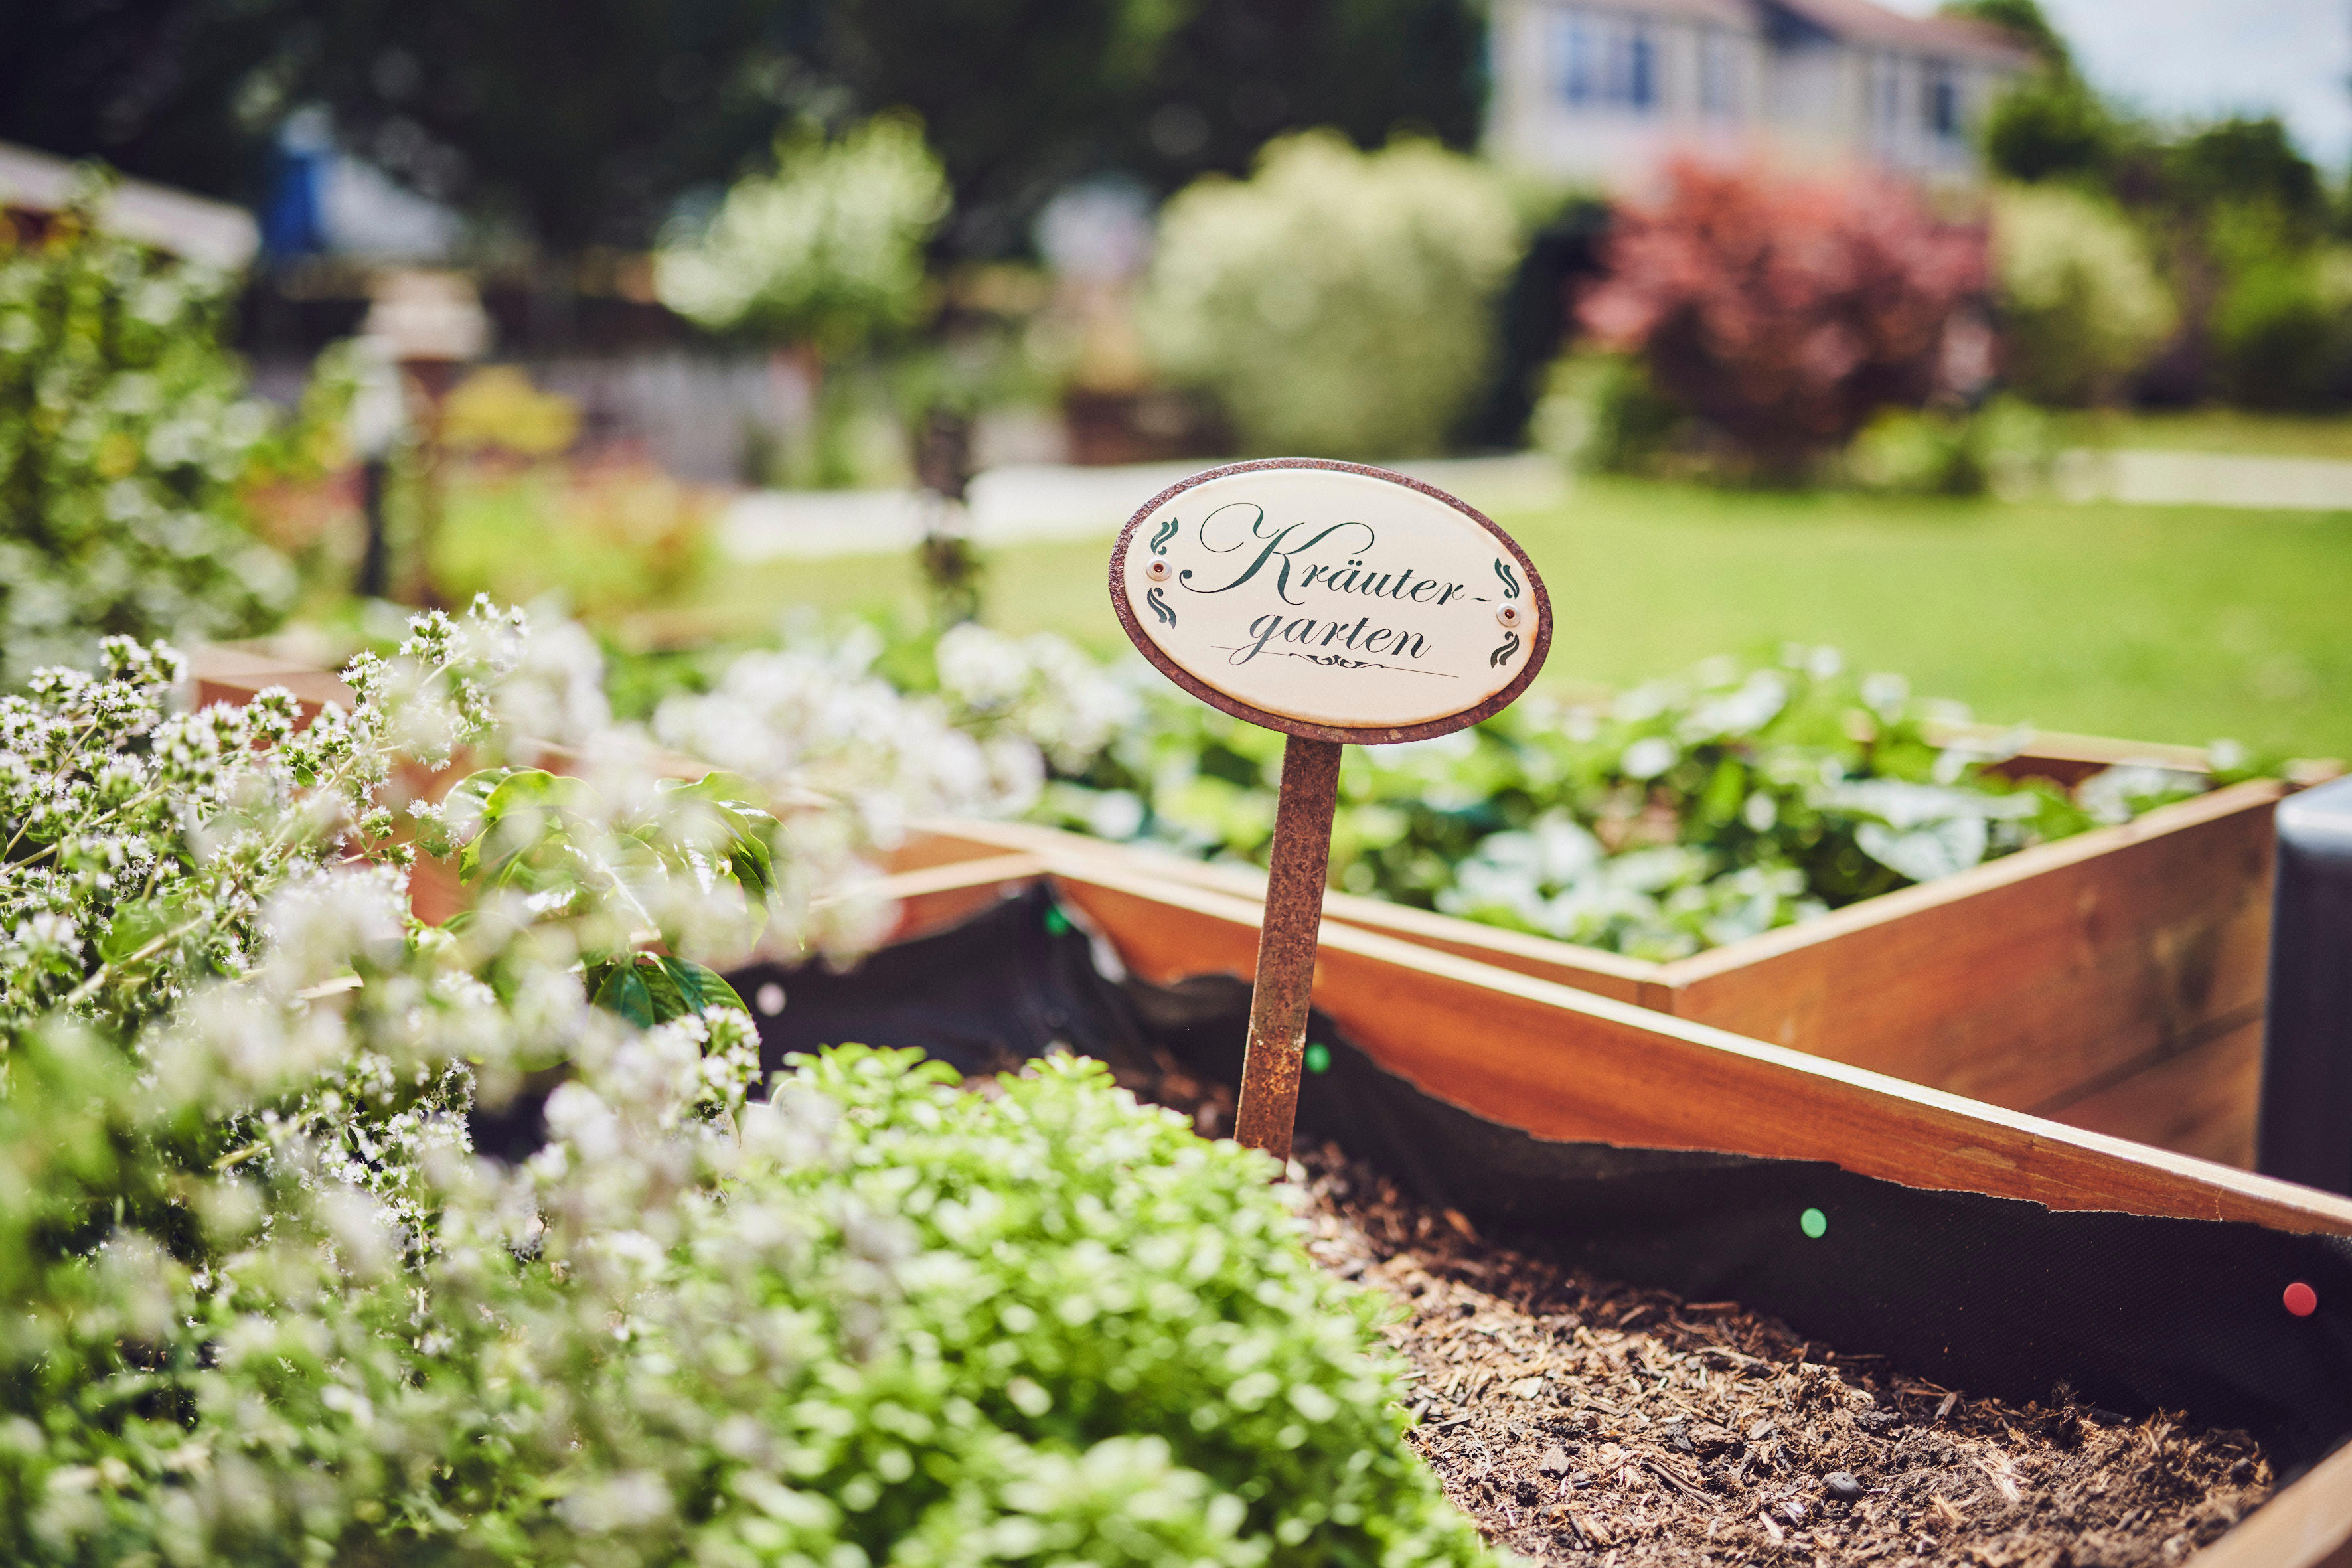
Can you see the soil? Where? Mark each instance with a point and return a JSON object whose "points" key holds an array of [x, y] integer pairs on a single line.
{"points": [[1580, 1421], [1584, 1422]]}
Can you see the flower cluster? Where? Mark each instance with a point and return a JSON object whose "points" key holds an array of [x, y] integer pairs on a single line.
{"points": [[817, 728], [142, 844], [1043, 689]]}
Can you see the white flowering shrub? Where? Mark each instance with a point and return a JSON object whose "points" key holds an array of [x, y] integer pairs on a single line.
{"points": [[2081, 300], [264, 1305], [1043, 688], [817, 715], [1337, 302], [829, 250], [124, 429]]}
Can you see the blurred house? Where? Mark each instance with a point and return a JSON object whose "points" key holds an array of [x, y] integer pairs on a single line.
{"points": [[1602, 92], [34, 186]]}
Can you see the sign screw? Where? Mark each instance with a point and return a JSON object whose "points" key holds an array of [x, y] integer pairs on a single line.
{"points": [[1509, 615]]}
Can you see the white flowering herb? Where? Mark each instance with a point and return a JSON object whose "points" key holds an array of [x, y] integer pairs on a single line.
{"points": [[263, 1305]]}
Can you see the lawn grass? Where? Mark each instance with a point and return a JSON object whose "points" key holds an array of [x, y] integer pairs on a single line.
{"points": [[2172, 624]]}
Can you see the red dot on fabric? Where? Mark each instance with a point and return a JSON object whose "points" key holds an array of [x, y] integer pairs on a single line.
{"points": [[2301, 1299]]}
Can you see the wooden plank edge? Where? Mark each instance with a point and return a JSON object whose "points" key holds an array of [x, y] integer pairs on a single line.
{"points": [[2029, 1154], [2253, 795], [1654, 984], [2306, 1525], [1547, 957], [2060, 746], [2189, 1043], [953, 877]]}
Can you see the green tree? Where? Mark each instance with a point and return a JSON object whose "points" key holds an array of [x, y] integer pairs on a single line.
{"points": [[2247, 160], [2049, 123], [2024, 18], [591, 130]]}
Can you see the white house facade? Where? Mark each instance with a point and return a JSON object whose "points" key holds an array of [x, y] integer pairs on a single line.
{"points": [[1602, 92]]}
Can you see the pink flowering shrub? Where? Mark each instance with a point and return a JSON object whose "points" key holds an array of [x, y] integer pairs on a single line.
{"points": [[1785, 312]]}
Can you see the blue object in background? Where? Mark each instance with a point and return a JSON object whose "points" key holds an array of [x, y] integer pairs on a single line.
{"points": [[294, 215], [2306, 1118]]}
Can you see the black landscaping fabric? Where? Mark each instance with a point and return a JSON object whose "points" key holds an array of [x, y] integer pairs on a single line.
{"points": [[1989, 1295]]}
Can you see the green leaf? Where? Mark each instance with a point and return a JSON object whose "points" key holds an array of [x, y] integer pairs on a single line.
{"points": [[701, 988], [623, 991], [134, 927]]}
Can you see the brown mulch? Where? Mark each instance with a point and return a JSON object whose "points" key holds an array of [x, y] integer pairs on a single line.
{"points": [[1584, 1422], [1581, 1421]]}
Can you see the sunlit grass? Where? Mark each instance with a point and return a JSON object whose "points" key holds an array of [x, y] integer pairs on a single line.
{"points": [[2224, 430], [2173, 624]]}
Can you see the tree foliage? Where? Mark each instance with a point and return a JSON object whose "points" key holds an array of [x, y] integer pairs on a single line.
{"points": [[2080, 295], [590, 129]]}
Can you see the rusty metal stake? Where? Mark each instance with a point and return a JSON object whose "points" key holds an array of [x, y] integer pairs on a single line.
{"points": [[1286, 945]]}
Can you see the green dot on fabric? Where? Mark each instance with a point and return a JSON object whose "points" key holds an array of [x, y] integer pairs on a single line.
{"points": [[1318, 1058], [1057, 923], [1813, 1223]]}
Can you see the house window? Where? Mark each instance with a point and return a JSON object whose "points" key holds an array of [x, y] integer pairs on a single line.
{"points": [[1886, 89], [1718, 73], [1605, 61], [1943, 102]]}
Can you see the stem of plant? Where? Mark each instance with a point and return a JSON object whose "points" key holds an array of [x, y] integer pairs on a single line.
{"points": [[1286, 945]]}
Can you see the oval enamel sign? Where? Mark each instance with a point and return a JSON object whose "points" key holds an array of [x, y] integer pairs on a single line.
{"points": [[1330, 600]]}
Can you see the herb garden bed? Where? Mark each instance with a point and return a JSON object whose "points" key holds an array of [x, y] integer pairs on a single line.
{"points": [[2112, 981], [1671, 1417]]}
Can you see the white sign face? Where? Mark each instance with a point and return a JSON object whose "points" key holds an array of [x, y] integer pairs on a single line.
{"points": [[1326, 598]]}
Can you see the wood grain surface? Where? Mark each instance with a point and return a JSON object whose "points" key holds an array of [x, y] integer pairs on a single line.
{"points": [[1567, 1065], [2038, 982]]}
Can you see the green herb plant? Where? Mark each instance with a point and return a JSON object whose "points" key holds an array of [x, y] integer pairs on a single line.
{"points": [[1678, 816]]}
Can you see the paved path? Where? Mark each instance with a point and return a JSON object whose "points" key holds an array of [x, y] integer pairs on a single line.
{"points": [[1044, 501], [2206, 479], [1027, 502]]}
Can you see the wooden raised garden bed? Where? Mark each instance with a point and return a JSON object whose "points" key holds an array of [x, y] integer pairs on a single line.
{"points": [[2112, 981], [1572, 1066], [1568, 1045]]}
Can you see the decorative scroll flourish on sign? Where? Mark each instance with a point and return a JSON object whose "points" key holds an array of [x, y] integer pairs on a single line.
{"points": [[1302, 595]]}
